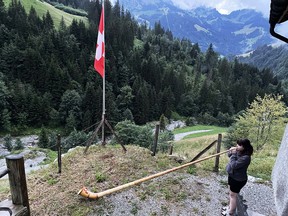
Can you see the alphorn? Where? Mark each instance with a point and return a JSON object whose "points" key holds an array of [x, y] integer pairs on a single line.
{"points": [[88, 194]]}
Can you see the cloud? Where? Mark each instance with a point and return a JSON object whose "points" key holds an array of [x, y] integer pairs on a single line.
{"points": [[227, 6], [224, 6]]}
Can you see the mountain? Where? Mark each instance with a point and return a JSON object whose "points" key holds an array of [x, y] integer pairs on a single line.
{"points": [[239, 32], [270, 57]]}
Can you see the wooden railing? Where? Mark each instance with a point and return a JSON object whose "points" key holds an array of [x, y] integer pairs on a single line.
{"points": [[218, 148], [19, 203]]}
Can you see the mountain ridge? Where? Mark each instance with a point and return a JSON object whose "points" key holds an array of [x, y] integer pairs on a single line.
{"points": [[236, 33], [269, 57]]}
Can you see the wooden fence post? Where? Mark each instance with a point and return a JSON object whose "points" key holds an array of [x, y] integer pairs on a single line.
{"points": [[218, 147], [59, 153], [17, 181], [156, 139], [171, 148]]}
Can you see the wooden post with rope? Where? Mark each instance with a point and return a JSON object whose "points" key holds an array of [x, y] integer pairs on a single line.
{"points": [[59, 153], [170, 147], [155, 140]]}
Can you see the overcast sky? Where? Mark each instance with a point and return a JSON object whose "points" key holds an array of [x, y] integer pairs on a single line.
{"points": [[226, 6]]}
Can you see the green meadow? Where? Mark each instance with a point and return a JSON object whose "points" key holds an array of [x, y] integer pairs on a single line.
{"points": [[42, 7]]}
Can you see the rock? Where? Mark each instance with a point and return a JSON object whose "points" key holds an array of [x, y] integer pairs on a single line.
{"points": [[280, 176]]}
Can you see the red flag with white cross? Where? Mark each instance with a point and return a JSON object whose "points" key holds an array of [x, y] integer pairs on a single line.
{"points": [[99, 62]]}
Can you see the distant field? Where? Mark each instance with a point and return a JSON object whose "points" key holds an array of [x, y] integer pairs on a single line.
{"points": [[214, 130], [42, 7]]}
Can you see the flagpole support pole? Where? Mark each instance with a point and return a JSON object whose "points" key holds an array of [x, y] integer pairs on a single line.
{"points": [[103, 143]]}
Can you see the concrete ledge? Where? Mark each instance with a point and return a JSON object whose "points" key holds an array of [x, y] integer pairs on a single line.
{"points": [[17, 210]]}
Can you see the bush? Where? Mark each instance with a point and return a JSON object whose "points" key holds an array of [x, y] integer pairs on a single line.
{"points": [[18, 144], [163, 122], [224, 120], [164, 141], [235, 132], [43, 138], [127, 115], [207, 119], [8, 142], [52, 144], [144, 137], [262, 122], [129, 133], [191, 121], [176, 116], [76, 138]]}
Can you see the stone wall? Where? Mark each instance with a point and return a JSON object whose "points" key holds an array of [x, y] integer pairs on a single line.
{"points": [[280, 177]]}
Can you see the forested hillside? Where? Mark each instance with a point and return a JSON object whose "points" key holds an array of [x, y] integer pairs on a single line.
{"points": [[42, 7], [271, 57], [47, 75]]}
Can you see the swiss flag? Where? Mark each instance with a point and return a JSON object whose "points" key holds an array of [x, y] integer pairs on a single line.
{"points": [[99, 61]]}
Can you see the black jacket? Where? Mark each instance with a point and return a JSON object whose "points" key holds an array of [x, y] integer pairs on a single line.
{"points": [[238, 165]]}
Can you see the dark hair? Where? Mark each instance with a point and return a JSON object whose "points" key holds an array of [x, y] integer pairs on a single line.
{"points": [[248, 148]]}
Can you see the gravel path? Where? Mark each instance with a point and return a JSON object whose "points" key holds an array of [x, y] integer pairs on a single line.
{"points": [[259, 198], [195, 196]]}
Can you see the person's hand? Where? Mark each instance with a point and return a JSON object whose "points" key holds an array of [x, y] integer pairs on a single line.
{"points": [[233, 150]]}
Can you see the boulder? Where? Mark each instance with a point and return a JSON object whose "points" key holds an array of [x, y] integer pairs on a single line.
{"points": [[280, 177]]}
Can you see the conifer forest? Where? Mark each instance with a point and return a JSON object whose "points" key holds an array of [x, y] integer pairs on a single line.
{"points": [[47, 76]]}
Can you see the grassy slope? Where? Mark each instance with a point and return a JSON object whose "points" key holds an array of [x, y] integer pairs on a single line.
{"points": [[214, 130], [53, 194], [42, 8], [102, 168]]}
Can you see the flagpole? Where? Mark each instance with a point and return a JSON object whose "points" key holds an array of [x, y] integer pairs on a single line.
{"points": [[99, 66], [104, 108]]}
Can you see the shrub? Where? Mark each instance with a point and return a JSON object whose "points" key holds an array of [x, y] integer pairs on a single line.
{"points": [[43, 138], [52, 144], [207, 119], [224, 119], [164, 140], [76, 138], [18, 144], [129, 133], [8, 142], [163, 122], [262, 122], [191, 121]]}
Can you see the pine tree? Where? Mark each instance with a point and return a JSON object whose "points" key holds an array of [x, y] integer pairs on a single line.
{"points": [[8, 142], [43, 138], [18, 144], [2, 12]]}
